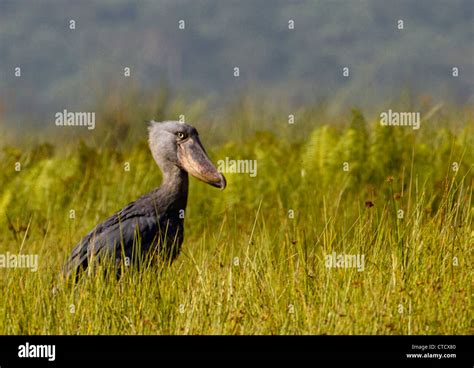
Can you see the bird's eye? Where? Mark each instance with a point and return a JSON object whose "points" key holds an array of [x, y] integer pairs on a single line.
{"points": [[181, 135]]}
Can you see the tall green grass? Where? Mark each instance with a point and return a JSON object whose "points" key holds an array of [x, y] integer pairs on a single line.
{"points": [[253, 259]]}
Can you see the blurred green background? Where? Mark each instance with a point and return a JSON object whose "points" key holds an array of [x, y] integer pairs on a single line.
{"points": [[73, 69]]}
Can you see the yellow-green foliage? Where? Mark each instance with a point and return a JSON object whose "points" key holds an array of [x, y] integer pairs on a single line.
{"points": [[247, 265]]}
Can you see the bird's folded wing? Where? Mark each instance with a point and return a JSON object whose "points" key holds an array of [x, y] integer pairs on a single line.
{"points": [[108, 238]]}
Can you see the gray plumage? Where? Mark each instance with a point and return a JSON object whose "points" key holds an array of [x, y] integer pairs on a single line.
{"points": [[152, 227]]}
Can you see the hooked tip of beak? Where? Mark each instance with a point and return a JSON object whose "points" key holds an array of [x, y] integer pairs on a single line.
{"points": [[223, 182]]}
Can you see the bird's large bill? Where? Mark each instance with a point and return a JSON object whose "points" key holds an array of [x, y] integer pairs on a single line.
{"points": [[193, 158]]}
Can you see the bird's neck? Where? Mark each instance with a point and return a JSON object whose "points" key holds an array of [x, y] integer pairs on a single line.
{"points": [[175, 186]]}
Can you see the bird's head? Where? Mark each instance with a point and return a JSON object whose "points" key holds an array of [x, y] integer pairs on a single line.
{"points": [[175, 144]]}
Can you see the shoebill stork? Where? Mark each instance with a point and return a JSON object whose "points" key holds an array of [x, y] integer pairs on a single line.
{"points": [[155, 221]]}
